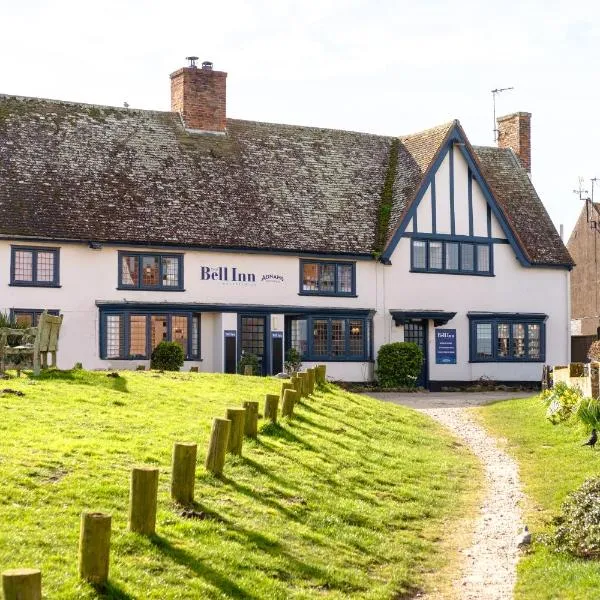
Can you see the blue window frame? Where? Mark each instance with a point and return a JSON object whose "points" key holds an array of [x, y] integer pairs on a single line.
{"points": [[133, 334], [343, 338], [327, 278], [34, 266], [451, 256], [29, 317], [507, 337], [150, 271]]}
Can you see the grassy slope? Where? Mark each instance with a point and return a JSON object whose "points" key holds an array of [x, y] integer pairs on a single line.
{"points": [[552, 463], [342, 501]]}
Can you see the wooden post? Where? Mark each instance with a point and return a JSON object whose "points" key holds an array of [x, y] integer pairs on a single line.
{"points": [[297, 383], [321, 373], [304, 382], [247, 369], [311, 381], [183, 474], [22, 584], [237, 416], [289, 398], [287, 385], [251, 425], [143, 500], [271, 405], [217, 446], [94, 547]]}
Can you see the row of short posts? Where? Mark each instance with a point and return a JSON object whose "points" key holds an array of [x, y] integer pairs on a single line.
{"points": [[227, 435]]}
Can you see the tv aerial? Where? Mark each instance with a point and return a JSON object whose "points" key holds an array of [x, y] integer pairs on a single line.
{"points": [[494, 94]]}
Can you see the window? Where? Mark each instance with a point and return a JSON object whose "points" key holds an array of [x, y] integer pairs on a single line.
{"points": [[324, 278], [29, 317], [330, 338], [34, 266], [440, 256], [511, 337], [133, 335], [150, 271]]}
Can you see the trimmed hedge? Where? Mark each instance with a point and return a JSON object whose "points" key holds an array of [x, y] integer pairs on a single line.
{"points": [[399, 364], [167, 356]]}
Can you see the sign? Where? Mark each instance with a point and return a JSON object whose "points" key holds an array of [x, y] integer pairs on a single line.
{"points": [[232, 275], [230, 333], [277, 335], [445, 346]]}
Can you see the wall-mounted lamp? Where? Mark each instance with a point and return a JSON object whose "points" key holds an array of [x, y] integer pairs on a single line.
{"points": [[95, 245]]}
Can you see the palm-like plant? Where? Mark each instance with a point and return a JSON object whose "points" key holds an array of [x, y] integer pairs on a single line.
{"points": [[588, 412]]}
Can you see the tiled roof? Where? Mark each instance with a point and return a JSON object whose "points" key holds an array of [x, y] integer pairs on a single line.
{"points": [[82, 172]]}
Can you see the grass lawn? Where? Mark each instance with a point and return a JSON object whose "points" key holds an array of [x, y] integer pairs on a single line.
{"points": [[552, 463], [349, 499]]}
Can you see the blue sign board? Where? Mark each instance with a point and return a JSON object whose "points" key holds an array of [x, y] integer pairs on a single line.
{"points": [[230, 333], [445, 346]]}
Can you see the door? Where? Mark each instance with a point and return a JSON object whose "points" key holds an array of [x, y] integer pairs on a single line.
{"points": [[253, 331], [416, 332]]}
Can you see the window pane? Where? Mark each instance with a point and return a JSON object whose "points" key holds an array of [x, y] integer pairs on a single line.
{"points": [[344, 279], [24, 319], [299, 336], [338, 337], [179, 331], [23, 265], [356, 338], [467, 257], [483, 333], [483, 258], [45, 266], [137, 335], [170, 271], [451, 256], [196, 335], [518, 335], [113, 336], [129, 270], [150, 270], [310, 277], [534, 346], [419, 254], [327, 278], [503, 339], [320, 328], [158, 330], [435, 255]]}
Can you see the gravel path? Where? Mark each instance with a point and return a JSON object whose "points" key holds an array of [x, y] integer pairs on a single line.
{"points": [[489, 564]]}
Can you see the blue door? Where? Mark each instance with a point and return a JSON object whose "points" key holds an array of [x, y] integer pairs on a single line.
{"points": [[253, 332], [416, 332]]}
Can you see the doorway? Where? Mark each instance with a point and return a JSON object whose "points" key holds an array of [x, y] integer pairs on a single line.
{"points": [[415, 331], [253, 333]]}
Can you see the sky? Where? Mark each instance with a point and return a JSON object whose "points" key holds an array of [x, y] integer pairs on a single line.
{"points": [[379, 66]]}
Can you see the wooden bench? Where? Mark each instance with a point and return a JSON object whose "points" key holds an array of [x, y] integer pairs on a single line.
{"points": [[29, 348]]}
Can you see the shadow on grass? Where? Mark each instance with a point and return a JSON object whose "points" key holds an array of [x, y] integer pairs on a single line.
{"points": [[111, 591], [194, 564], [117, 382], [258, 468], [275, 430]]}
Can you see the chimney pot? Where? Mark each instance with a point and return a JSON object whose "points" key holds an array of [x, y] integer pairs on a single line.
{"points": [[514, 131], [207, 65]]}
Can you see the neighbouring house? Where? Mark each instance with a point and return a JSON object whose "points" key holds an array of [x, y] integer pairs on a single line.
{"points": [[231, 236], [584, 247]]}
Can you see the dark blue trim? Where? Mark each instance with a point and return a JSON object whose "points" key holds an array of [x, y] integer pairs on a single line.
{"points": [[35, 250], [456, 238], [494, 319], [453, 136], [461, 243], [489, 221], [433, 207], [451, 170], [470, 199], [351, 294], [139, 285], [34, 313], [439, 317], [267, 359], [415, 226]]}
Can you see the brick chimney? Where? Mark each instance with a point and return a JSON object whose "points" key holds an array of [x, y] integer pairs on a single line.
{"points": [[199, 95], [514, 131]]}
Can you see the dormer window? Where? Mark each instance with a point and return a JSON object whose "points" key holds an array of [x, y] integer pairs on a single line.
{"points": [[454, 257]]}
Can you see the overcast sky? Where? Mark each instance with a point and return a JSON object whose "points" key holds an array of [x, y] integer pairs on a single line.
{"points": [[388, 67]]}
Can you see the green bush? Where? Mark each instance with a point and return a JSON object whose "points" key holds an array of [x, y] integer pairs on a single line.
{"points": [[578, 528], [562, 402], [249, 359], [594, 351], [293, 361], [167, 356], [399, 364]]}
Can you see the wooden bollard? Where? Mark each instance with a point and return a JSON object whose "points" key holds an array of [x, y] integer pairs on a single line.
{"points": [[304, 380], [237, 416], [321, 373], [183, 473], [297, 383], [251, 424], [287, 385], [271, 406], [311, 381], [217, 445], [94, 547], [247, 369], [143, 500], [289, 399], [22, 584]]}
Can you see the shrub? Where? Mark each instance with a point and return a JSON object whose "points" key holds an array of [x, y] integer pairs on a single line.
{"points": [[293, 362], [249, 359], [588, 412], [562, 401], [578, 528], [167, 356], [594, 351], [399, 364]]}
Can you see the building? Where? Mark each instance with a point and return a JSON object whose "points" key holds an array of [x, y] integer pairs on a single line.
{"points": [[232, 236], [584, 247]]}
